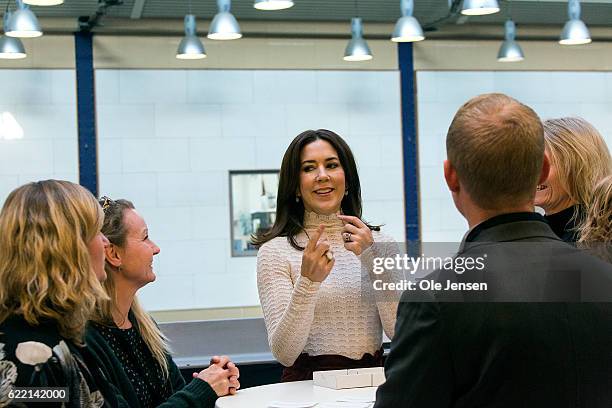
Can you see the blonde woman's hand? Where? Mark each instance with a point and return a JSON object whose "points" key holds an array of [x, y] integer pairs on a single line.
{"points": [[234, 373], [317, 260], [356, 234], [222, 376]]}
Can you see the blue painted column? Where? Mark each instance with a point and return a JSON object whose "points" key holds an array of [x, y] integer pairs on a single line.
{"points": [[409, 142], [86, 114]]}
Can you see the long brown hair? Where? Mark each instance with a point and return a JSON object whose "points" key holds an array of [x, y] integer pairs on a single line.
{"points": [[116, 231], [45, 268], [289, 212]]}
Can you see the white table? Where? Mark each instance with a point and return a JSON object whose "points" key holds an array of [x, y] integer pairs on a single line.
{"points": [[260, 397]]}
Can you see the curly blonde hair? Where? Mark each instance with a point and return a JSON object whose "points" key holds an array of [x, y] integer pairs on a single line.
{"points": [[596, 229], [579, 154], [45, 268]]}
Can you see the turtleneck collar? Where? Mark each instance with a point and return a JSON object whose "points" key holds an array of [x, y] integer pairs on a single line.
{"points": [[313, 220], [564, 223]]}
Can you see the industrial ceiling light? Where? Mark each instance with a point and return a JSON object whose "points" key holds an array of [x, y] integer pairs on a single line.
{"points": [[510, 51], [407, 28], [224, 25], [273, 4], [44, 2], [575, 32], [10, 47], [22, 23], [190, 47], [479, 7], [357, 48]]}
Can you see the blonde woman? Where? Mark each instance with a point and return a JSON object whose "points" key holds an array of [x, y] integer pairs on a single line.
{"points": [[51, 261], [596, 229], [579, 158], [143, 368]]}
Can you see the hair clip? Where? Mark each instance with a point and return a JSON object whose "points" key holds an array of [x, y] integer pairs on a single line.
{"points": [[105, 202]]}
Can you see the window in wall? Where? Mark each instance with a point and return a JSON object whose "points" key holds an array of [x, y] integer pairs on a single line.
{"points": [[252, 207]]}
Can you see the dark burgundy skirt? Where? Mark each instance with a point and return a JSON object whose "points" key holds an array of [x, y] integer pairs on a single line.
{"points": [[303, 367]]}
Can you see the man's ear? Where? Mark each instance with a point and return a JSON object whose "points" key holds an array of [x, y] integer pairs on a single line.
{"points": [[450, 175], [112, 255], [545, 169]]}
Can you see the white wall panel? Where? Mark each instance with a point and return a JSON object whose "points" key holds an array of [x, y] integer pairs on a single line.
{"points": [[43, 102], [115, 121]]}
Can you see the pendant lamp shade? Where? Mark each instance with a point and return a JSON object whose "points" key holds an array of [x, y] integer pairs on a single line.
{"points": [[190, 47], [224, 25], [479, 7], [273, 4], [22, 23], [575, 32], [407, 28], [44, 2], [357, 48], [11, 48], [510, 50]]}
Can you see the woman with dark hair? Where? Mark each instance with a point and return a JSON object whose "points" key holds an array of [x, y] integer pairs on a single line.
{"points": [[309, 264]]}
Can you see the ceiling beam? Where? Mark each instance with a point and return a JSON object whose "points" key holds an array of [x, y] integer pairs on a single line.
{"points": [[293, 29], [137, 9]]}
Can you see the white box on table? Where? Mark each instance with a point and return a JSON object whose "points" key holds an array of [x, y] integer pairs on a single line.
{"points": [[354, 378], [377, 373]]}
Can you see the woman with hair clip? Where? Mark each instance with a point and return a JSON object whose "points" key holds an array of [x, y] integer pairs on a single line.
{"points": [[143, 369], [596, 229], [309, 269], [51, 262], [579, 159]]}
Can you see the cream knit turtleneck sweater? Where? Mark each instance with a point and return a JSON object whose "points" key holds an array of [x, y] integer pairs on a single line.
{"points": [[331, 317]]}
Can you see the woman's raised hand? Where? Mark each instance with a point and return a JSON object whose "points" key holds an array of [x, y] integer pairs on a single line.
{"points": [[356, 234], [222, 376], [317, 260]]}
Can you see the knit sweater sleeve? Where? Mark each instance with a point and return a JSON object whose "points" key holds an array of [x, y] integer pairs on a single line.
{"points": [[384, 247], [288, 306]]}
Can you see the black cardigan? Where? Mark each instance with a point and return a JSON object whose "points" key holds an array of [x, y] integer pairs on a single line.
{"points": [[195, 394], [564, 223]]}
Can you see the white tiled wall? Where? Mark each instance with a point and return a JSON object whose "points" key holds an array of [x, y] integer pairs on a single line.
{"points": [[44, 103], [441, 93], [167, 140]]}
